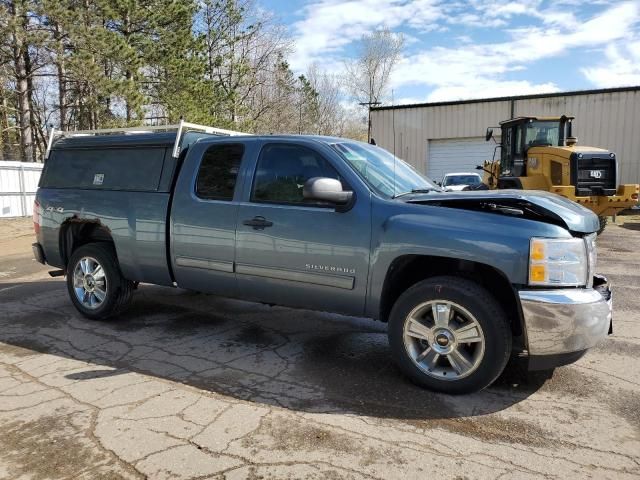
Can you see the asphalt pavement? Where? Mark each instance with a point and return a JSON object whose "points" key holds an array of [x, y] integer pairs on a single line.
{"points": [[186, 385]]}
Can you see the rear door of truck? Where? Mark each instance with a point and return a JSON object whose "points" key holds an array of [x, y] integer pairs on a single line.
{"points": [[204, 214]]}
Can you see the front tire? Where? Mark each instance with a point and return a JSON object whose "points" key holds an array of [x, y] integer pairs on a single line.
{"points": [[449, 334], [95, 284]]}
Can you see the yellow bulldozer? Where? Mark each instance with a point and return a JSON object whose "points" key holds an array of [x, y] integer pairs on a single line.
{"points": [[540, 153]]}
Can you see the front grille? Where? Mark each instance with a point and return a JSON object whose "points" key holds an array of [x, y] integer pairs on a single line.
{"points": [[593, 175]]}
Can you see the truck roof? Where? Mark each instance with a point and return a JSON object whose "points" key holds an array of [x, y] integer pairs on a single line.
{"points": [[120, 140], [165, 139]]}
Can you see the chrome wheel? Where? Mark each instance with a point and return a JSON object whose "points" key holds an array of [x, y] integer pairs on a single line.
{"points": [[89, 282], [444, 340]]}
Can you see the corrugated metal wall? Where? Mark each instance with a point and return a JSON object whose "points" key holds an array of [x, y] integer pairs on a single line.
{"points": [[605, 119], [18, 185]]}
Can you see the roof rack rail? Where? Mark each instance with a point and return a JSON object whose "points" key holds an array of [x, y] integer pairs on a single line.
{"points": [[180, 129]]}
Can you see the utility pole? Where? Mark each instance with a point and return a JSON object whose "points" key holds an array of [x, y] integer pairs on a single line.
{"points": [[369, 104]]}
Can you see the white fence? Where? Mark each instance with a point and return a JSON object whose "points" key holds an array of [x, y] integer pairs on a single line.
{"points": [[18, 185]]}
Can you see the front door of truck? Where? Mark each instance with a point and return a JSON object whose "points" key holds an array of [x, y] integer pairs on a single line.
{"points": [[296, 252], [203, 217]]}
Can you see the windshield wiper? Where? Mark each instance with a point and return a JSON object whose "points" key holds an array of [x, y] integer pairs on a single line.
{"points": [[417, 190]]}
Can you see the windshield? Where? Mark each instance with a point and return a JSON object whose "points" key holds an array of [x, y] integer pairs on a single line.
{"points": [[461, 180], [542, 133], [376, 166]]}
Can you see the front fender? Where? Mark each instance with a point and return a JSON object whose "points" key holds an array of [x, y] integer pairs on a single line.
{"points": [[499, 241]]}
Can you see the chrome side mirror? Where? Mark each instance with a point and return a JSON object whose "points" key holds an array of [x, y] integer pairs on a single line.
{"points": [[326, 190]]}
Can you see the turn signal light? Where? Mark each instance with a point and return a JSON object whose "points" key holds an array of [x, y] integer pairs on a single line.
{"points": [[537, 250], [537, 274]]}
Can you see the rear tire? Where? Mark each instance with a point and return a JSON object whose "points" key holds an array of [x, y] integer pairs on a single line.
{"points": [[603, 224], [95, 283], [450, 335]]}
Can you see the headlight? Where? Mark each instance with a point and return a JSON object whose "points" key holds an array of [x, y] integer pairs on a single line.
{"points": [[555, 262]]}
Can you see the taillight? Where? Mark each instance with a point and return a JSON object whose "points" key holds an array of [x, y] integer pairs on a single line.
{"points": [[36, 216]]}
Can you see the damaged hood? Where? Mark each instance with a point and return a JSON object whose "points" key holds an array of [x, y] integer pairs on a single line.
{"points": [[533, 205]]}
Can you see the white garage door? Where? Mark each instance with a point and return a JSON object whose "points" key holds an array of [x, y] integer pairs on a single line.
{"points": [[458, 155]]}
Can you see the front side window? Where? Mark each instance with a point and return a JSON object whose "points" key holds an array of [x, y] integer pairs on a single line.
{"points": [[282, 171], [218, 172]]}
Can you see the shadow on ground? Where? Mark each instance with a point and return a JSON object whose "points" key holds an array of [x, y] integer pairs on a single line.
{"points": [[631, 225], [297, 359]]}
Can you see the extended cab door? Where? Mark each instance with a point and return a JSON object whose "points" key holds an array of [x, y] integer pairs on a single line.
{"points": [[203, 216], [292, 251]]}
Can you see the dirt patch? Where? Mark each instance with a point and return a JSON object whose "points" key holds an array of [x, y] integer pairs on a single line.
{"points": [[47, 448], [626, 404], [493, 429], [619, 347], [10, 228], [289, 435], [570, 381]]}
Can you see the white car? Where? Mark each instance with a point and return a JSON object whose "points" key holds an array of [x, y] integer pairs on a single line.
{"points": [[458, 181]]}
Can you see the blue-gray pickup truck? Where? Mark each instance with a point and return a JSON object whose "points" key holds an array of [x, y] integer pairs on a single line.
{"points": [[465, 280]]}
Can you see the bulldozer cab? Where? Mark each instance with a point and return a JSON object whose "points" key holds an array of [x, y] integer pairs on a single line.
{"points": [[521, 133]]}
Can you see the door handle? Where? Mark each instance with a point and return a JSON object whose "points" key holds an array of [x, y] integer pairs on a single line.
{"points": [[258, 223]]}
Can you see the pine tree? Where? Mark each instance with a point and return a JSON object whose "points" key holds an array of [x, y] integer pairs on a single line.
{"points": [[176, 66]]}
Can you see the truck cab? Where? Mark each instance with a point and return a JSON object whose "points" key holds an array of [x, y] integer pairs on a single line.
{"points": [[464, 279]]}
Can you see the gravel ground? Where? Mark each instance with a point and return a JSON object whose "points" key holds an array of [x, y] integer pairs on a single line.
{"points": [[193, 386]]}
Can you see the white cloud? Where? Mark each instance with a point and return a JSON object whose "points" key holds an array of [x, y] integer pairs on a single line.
{"points": [[330, 25], [489, 89], [467, 69], [621, 68], [409, 100], [478, 70]]}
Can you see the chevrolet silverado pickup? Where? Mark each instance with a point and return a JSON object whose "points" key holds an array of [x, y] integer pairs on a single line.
{"points": [[465, 280]]}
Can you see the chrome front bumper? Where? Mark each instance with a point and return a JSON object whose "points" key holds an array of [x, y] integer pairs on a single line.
{"points": [[566, 321]]}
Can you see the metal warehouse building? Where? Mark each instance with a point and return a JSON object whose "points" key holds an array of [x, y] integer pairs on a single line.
{"points": [[443, 137]]}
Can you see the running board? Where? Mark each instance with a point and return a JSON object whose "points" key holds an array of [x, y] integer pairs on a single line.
{"points": [[57, 273]]}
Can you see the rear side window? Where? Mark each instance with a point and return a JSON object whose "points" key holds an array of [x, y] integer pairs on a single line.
{"points": [[218, 172], [282, 171], [134, 169]]}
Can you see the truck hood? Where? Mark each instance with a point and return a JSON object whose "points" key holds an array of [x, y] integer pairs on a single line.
{"points": [[532, 205]]}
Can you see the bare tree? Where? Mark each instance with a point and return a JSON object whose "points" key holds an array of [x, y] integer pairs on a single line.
{"points": [[244, 53], [368, 74], [329, 89]]}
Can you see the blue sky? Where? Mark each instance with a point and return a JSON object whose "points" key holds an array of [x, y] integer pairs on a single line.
{"points": [[461, 49]]}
